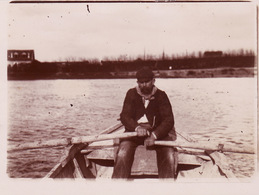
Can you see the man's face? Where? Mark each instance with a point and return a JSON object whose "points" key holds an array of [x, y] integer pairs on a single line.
{"points": [[146, 86]]}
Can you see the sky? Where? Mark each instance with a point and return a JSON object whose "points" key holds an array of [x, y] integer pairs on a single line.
{"points": [[63, 31]]}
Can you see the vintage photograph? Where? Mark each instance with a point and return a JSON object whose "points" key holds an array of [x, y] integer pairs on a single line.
{"points": [[132, 91]]}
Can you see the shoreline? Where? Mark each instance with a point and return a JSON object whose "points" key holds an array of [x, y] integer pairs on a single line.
{"points": [[225, 72]]}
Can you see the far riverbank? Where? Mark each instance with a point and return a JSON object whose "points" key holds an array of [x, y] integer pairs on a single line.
{"points": [[185, 73]]}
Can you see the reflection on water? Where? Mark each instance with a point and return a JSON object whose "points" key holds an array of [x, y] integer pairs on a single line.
{"points": [[218, 109]]}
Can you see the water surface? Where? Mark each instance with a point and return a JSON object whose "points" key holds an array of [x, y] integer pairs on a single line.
{"points": [[216, 109]]}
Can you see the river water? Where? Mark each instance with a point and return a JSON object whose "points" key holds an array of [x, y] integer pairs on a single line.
{"points": [[217, 109]]}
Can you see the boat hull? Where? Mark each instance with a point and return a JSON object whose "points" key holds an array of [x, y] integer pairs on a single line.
{"points": [[96, 160]]}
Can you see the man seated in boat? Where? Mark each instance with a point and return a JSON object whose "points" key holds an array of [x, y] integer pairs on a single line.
{"points": [[146, 110]]}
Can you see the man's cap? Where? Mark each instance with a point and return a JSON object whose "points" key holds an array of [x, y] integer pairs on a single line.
{"points": [[144, 74]]}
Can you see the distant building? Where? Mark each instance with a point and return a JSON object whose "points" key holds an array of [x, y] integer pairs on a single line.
{"points": [[20, 56], [213, 53]]}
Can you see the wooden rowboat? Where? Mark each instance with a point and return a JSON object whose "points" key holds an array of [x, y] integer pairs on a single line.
{"points": [[95, 160]]}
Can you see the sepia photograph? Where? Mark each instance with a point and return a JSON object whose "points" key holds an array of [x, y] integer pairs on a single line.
{"points": [[137, 92]]}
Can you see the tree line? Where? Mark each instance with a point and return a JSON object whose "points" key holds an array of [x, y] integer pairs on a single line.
{"points": [[94, 67]]}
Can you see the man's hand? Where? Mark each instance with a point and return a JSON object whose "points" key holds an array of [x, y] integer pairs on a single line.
{"points": [[142, 131], [150, 141]]}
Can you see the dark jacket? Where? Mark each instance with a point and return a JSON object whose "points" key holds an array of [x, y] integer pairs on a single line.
{"points": [[159, 113]]}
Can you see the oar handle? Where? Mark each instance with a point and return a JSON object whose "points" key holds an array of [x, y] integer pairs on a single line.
{"points": [[70, 141], [102, 137], [204, 146]]}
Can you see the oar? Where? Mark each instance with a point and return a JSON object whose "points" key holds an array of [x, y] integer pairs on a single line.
{"points": [[70, 141], [204, 146]]}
